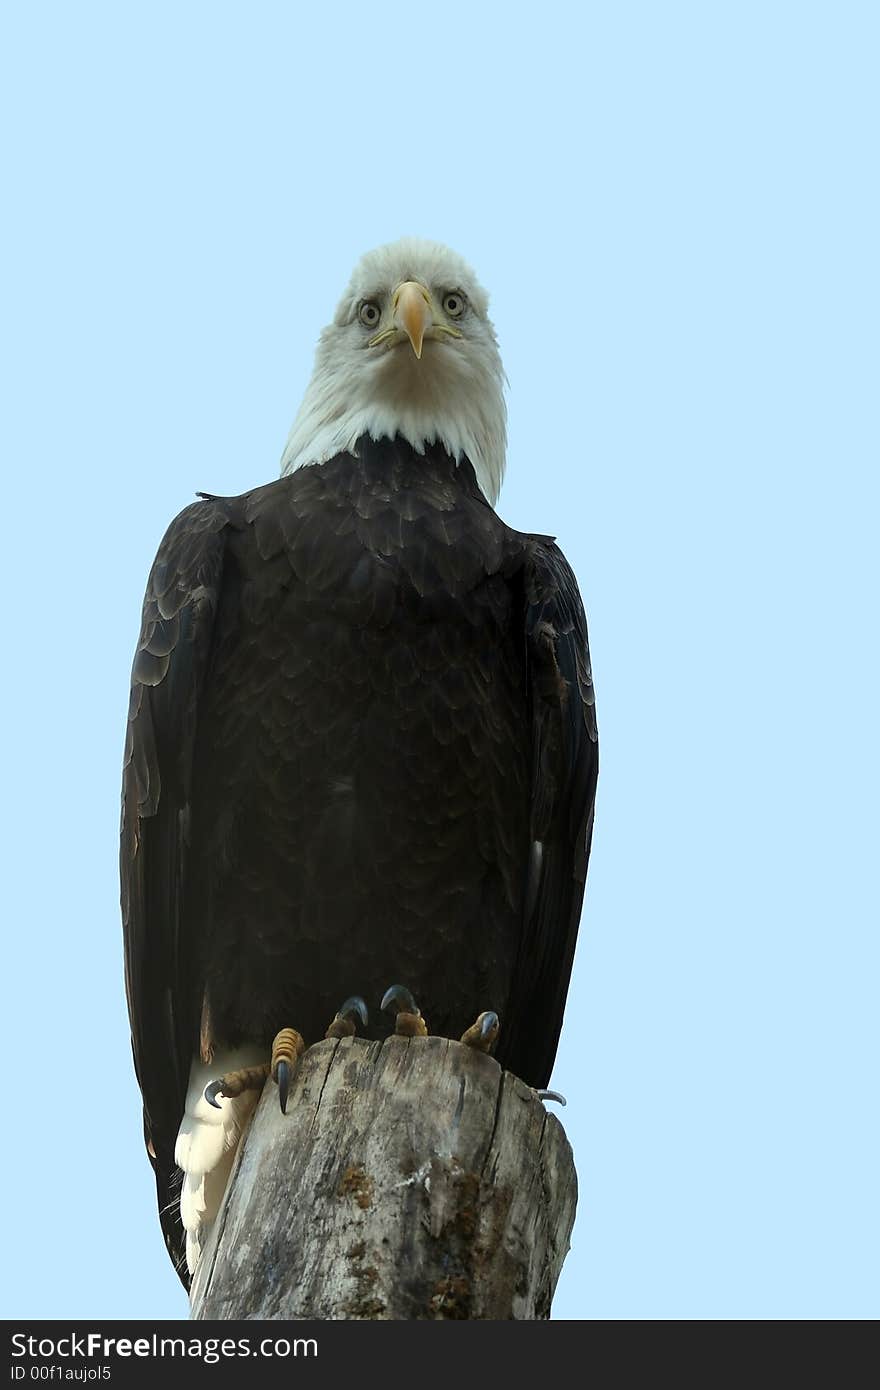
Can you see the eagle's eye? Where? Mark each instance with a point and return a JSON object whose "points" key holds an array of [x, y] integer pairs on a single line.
{"points": [[369, 313], [453, 304]]}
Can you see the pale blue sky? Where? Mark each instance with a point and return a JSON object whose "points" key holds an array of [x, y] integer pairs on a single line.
{"points": [[675, 210]]}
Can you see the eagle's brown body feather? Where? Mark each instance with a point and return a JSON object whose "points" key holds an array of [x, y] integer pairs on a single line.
{"points": [[358, 701]]}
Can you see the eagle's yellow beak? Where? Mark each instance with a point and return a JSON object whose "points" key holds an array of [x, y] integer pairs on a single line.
{"points": [[413, 312]]}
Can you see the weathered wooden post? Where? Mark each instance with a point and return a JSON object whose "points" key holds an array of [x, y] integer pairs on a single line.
{"points": [[408, 1179]]}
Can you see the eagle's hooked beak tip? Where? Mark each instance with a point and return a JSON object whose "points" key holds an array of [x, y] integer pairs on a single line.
{"points": [[413, 313]]}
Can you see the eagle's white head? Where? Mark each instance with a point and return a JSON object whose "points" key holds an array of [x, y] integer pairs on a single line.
{"points": [[410, 351]]}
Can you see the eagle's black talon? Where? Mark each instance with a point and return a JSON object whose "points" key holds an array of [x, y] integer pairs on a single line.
{"points": [[282, 1076], [551, 1095], [355, 1005], [409, 1022], [399, 996], [212, 1091], [343, 1025], [483, 1032]]}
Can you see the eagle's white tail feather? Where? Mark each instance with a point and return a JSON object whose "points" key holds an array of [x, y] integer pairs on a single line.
{"points": [[207, 1141]]}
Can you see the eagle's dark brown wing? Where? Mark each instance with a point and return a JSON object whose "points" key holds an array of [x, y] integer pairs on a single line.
{"points": [[169, 669], [565, 765]]}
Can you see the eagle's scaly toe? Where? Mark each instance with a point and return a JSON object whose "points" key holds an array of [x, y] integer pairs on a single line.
{"points": [[287, 1049], [234, 1083]]}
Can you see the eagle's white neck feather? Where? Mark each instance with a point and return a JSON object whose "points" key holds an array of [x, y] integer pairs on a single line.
{"points": [[453, 396]]}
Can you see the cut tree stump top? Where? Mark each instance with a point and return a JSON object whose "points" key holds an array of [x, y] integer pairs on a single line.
{"points": [[408, 1179]]}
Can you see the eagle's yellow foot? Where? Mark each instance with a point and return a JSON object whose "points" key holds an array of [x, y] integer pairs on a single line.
{"points": [[483, 1034], [343, 1025], [287, 1049], [235, 1082], [409, 1022]]}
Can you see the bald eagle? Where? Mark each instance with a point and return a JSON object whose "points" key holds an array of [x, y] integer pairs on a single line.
{"points": [[361, 744]]}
